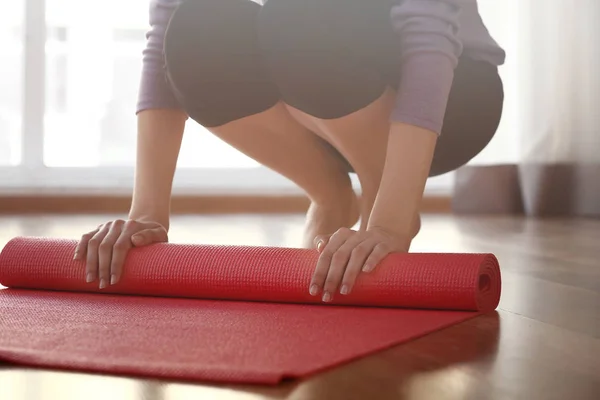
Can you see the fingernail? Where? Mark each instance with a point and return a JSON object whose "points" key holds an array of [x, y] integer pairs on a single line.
{"points": [[113, 279], [344, 289], [326, 297], [367, 268], [75, 256], [136, 239], [314, 289], [102, 283], [89, 278]]}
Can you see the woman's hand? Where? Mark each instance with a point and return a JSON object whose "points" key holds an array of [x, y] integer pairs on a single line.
{"points": [[390, 228], [347, 253], [106, 247]]}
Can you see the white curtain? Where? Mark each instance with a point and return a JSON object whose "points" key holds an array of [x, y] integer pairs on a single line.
{"points": [[560, 81], [545, 158]]}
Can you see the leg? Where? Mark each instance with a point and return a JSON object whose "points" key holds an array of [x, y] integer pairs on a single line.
{"points": [[336, 65], [225, 88], [326, 86], [365, 153], [278, 141]]}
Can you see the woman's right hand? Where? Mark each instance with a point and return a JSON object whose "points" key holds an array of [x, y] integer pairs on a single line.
{"points": [[106, 247]]}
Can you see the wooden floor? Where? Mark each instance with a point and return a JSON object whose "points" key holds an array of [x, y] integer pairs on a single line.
{"points": [[543, 343]]}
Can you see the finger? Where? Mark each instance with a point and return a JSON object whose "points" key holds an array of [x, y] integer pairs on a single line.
{"points": [[339, 263], [321, 241], [119, 254], [325, 259], [380, 252], [359, 256], [149, 236], [81, 248], [105, 252], [126, 242], [91, 266]]}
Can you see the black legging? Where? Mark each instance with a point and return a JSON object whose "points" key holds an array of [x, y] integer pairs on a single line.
{"points": [[228, 59]]}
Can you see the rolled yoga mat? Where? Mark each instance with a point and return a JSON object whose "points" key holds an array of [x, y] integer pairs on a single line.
{"points": [[224, 313]]}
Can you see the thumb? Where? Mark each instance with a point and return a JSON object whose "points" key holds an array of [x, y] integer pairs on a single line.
{"points": [[149, 236], [321, 241]]}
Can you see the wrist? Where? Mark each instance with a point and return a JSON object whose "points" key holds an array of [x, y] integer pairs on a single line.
{"points": [[399, 226], [403, 232], [399, 241], [159, 218]]}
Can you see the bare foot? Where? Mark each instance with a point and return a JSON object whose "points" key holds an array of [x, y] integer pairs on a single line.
{"points": [[327, 219]]}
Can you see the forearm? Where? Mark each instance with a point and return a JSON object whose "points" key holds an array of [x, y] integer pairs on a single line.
{"points": [[408, 161], [428, 36], [160, 133]]}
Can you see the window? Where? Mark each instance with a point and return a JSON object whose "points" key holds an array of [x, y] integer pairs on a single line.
{"points": [[11, 79], [92, 74], [67, 104]]}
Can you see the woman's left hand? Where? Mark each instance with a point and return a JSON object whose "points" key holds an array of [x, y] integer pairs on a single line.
{"points": [[346, 253]]}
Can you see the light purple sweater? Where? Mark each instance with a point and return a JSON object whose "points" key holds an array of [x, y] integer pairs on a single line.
{"points": [[432, 34]]}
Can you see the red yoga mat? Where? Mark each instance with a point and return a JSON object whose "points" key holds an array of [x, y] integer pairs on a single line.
{"points": [[224, 313]]}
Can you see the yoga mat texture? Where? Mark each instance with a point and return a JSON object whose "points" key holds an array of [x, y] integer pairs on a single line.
{"points": [[224, 313]]}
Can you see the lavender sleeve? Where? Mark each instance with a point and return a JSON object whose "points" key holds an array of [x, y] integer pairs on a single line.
{"points": [[429, 45], [154, 91]]}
